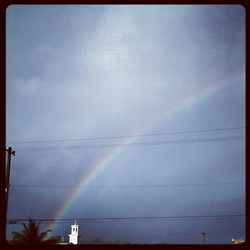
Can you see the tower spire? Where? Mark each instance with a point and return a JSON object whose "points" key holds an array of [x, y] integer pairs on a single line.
{"points": [[73, 237]]}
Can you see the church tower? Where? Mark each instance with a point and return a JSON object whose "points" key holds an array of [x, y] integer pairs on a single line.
{"points": [[73, 237]]}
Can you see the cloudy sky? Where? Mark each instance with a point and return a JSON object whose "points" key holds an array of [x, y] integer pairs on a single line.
{"points": [[133, 112]]}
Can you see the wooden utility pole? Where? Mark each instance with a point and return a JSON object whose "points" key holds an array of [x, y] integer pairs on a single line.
{"points": [[7, 175]]}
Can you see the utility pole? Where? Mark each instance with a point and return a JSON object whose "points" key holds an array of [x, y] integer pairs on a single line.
{"points": [[7, 174]]}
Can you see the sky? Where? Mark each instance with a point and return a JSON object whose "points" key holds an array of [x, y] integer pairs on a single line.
{"points": [[133, 113]]}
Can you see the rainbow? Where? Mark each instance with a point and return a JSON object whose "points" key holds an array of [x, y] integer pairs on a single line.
{"points": [[162, 115]]}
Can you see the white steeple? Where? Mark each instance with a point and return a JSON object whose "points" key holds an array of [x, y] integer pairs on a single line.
{"points": [[73, 237]]}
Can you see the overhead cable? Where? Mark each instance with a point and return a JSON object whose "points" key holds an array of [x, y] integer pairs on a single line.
{"points": [[127, 136], [136, 144]]}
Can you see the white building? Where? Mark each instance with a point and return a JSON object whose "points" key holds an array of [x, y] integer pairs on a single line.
{"points": [[73, 237], [237, 241]]}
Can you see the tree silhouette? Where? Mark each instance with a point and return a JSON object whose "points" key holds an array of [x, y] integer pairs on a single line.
{"points": [[30, 235]]}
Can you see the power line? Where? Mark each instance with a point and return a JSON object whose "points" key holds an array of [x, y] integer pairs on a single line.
{"points": [[170, 235], [144, 218], [127, 136], [128, 186], [152, 143]]}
